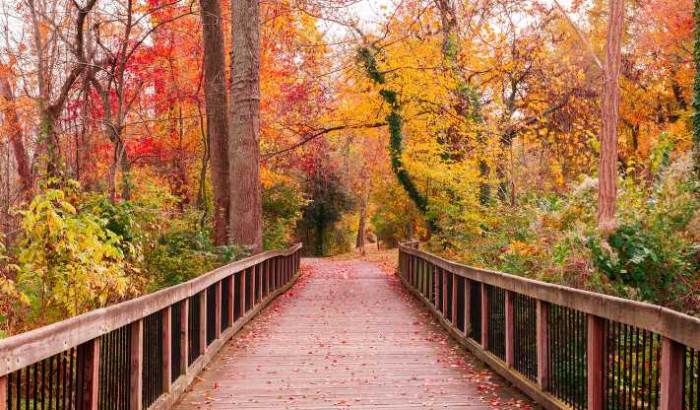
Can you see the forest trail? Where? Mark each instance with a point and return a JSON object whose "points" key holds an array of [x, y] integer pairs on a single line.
{"points": [[347, 335]]}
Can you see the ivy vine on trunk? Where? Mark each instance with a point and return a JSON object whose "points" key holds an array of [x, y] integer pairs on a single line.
{"points": [[367, 57]]}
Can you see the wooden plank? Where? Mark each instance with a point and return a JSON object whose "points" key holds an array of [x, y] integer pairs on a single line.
{"points": [[30, 347], [167, 347], [671, 379], [259, 278], [484, 317], [217, 310], [510, 329], [596, 362], [266, 270], [542, 345], [89, 365], [436, 287], [136, 376], [202, 322], [682, 328], [184, 335]]}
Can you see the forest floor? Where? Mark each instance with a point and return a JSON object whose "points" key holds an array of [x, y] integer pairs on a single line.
{"points": [[348, 335]]}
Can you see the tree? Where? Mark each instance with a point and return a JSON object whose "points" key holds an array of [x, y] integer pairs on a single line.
{"points": [[9, 111], [245, 226], [217, 114], [696, 88], [610, 105]]}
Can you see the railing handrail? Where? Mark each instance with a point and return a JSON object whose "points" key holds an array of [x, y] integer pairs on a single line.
{"points": [[30, 347], [672, 324]]}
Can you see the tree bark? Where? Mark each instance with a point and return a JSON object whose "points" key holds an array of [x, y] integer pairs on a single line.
{"points": [[245, 226], [217, 107], [607, 174], [362, 225], [16, 136]]}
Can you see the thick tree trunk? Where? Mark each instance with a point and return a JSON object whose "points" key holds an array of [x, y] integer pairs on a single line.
{"points": [[217, 115], [16, 136], [607, 174], [245, 226]]}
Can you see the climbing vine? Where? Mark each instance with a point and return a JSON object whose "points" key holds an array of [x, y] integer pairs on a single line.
{"points": [[368, 58]]}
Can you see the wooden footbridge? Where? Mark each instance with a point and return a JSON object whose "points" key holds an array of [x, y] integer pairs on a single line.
{"points": [[348, 335]]}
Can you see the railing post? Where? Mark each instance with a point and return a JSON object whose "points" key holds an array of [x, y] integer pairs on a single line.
{"points": [[253, 270], [3, 392], [444, 292], [259, 278], [467, 306], [266, 270], [167, 347], [202, 321], [89, 365], [671, 380], [217, 310], [184, 335], [136, 377], [231, 299], [453, 302], [542, 345], [510, 328], [596, 362], [436, 287], [484, 317], [241, 296]]}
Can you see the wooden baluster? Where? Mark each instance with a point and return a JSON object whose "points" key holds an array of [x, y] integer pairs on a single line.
{"points": [[542, 344], [671, 379], [596, 362], [251, 291], [3, 392], [241, 296], [231, 299], [436, 287], [89, 365], [467, 306], [484, 317], [184, 335], [217, 310], [454, 300], [259, 278], [167, 348], [136, 377], [444, 293], [267, 276], [510, 328], [202, 321]]}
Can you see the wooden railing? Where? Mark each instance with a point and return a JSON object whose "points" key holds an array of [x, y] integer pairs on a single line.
{"points": [[142, 353], [564, 347]]}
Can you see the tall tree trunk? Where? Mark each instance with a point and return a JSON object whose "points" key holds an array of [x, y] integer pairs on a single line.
{"points": [[217, 115], [696, 90], [244, 168], [362, 224], [610, 104], [16, 136]]}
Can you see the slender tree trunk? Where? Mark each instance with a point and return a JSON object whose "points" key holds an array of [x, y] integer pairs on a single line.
{"points": [[696, 90], [244, 168], [16, 137], [217, 107], [607, 174], [362, 225]]}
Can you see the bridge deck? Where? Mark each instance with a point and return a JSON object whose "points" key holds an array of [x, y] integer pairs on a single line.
{"points": [[346, 335]]}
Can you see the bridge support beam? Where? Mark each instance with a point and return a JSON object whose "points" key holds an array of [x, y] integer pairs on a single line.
{"points": [[671, 381]]}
